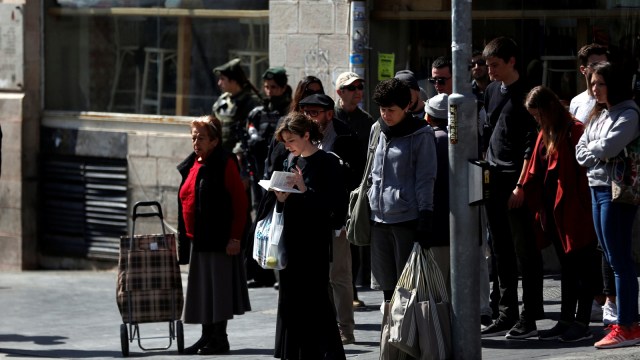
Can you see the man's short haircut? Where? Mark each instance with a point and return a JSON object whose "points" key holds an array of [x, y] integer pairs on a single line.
{"points": [[503, 48], [392, 92], [591, 49], [442, 62], [476, 53]]}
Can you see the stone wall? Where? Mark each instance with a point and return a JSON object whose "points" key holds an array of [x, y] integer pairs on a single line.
{"points": [[20, 127], [310, 37]]}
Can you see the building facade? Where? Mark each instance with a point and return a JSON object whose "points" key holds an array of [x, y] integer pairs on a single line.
{"points": [[96, 95]]}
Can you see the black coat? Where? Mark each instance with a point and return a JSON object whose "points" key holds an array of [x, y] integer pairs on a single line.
{"points": [[304, 283], [213, 202]]}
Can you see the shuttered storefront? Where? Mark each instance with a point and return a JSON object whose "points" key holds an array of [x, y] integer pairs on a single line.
{"points": [[84, 206]]}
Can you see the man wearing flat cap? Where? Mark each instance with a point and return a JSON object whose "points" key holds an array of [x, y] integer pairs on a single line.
{"points": [[342, 141], [235, 103], [416, 107]]}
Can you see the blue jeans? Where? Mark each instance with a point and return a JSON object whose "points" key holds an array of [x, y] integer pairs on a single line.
{"points": [[613, 223]]}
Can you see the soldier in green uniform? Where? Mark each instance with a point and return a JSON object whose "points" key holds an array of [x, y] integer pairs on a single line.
{"points": [[235, 103]]}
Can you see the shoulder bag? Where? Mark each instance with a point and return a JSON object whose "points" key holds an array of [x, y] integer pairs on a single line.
{"points": [[359, 221], [625, 179]]}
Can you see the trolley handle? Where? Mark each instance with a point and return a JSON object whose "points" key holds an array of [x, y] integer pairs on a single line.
{"points": [[147, 214], [137, 214]]}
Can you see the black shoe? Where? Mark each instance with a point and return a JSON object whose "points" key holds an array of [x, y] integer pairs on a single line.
{"points": [[576, 332], [195, 348], [554, 333], [522, 329], [276, 286], [215, 347], [485, 320], [359, 305], [498, 328]]}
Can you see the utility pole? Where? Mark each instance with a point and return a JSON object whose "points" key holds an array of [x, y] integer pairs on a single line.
{"points": [[464, 218]]}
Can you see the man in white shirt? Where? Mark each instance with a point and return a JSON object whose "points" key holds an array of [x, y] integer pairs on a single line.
{"points": [[582, 104]]}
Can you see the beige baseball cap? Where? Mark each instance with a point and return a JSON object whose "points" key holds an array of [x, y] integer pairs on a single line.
{"points": [[347, 78]]}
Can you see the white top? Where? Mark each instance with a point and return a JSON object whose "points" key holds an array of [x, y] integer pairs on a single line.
{"points": [[581, 105]]}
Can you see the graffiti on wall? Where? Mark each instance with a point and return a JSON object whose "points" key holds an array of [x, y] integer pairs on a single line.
{"points": [[316, 63]]}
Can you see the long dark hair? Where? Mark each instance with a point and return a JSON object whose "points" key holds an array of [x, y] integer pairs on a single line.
{"points": [[302, 91], [618, 85], [555, 120]]}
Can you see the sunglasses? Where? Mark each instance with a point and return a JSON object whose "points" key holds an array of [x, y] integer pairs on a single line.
{"points": [[313, 113], [438, 80], [479, 62], [352, 87]]}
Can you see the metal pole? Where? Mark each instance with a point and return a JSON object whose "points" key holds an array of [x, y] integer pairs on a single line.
{"points": [[464, 219]]}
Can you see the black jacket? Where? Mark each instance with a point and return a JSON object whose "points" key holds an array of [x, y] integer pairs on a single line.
{"points": [[347, 145], [213, 202]]}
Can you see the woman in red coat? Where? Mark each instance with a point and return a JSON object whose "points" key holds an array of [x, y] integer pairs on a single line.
{"points": [[212, 208], [557, 191]]}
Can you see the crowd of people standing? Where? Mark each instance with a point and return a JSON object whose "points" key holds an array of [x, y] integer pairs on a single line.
{"points": [[550, 168]]}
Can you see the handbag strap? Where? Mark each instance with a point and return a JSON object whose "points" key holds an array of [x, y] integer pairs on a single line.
{"points": [[436, 286], [372, 149], [408, 276]]}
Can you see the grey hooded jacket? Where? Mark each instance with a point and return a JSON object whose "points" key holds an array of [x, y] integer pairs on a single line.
{"points": [[403, 176], [604, 139]]}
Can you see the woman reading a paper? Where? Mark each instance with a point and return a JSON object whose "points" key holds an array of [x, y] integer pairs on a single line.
{"points": [[309, 331]]}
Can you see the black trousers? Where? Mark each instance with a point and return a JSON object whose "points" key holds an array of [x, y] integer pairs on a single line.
{"points": [[514, 243], [579, 273]]}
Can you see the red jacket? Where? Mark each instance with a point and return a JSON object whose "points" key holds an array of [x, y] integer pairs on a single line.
{"points": [[572, 208]]}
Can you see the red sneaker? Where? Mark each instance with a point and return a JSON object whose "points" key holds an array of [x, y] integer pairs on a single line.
{"points": [[620, 336]]}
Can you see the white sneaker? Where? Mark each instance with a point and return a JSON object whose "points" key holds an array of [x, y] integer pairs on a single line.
{"points": [[596, 311], [609, 313]]}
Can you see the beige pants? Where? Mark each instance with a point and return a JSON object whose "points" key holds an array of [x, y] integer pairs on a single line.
{"points": [[340, 279]]}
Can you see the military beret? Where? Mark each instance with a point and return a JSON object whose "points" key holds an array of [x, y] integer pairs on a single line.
{"points": [[232, 70], [277, 74]]}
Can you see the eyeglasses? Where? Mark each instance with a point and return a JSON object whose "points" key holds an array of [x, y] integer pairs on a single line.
{"points": [[479, 62], [439, 80], [594, 64], [313, 113], [352, 87]]}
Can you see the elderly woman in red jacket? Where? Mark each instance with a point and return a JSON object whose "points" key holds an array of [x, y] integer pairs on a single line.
{"points": [[557, 190], [212, 207]]}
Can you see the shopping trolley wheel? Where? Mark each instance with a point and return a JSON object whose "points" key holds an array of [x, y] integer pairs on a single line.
{"points": [[124, 340], [180, 336]]}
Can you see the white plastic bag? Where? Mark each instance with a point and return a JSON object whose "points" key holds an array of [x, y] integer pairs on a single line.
{"points": [[268, 250]]}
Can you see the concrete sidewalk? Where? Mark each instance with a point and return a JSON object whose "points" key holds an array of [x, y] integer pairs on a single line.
{"points": [[73, 315]]}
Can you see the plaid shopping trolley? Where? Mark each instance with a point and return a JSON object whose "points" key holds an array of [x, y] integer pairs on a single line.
{"points": [[149, 287]]}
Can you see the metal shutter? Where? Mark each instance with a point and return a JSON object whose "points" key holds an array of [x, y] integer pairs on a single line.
{"points": [[84, 206]]}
